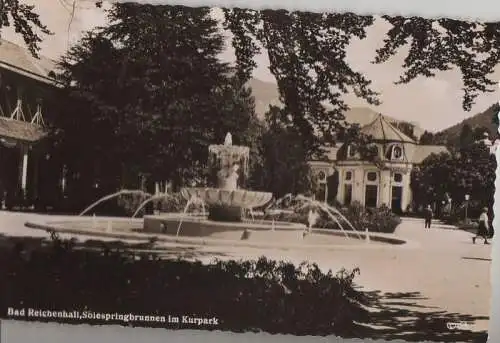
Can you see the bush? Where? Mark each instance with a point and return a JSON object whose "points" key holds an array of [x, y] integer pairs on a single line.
{"points": [[375, 220], [262, 295]]}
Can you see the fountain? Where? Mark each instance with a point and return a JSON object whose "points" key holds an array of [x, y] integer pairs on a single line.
{"points": [[227, 200], [223, 218], [228, 165]]}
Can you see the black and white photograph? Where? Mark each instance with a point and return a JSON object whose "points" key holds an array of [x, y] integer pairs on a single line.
{"points": [[247, 170]]}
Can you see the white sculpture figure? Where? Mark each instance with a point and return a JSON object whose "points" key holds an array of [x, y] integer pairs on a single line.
{"points": [[229, 139], [228, 178]]}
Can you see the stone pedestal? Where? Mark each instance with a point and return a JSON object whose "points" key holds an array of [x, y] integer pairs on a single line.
{"points": [[225, 214]]}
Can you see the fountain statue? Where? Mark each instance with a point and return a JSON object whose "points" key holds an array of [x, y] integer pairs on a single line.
{"points": [[226, 200], [227, 178]]}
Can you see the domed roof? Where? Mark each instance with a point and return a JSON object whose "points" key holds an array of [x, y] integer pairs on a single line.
{"points": [[381, 130]]}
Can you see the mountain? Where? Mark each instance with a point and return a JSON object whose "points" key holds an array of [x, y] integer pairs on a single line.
{"points": [[266, 93], [482, 119]]}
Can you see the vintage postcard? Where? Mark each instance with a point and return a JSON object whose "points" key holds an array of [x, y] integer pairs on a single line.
{"points": [[244, 170]]}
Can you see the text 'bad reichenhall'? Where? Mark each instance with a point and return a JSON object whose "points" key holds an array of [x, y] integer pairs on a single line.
{"points": [[90, 315]]}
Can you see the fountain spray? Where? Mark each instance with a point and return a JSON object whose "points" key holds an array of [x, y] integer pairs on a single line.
{"points": [[113, 195]]}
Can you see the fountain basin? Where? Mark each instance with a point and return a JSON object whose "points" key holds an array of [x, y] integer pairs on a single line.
{"points": [[259, 235], [237, 198], [200, 226]]}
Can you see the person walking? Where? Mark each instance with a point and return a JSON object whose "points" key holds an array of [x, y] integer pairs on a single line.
{"points": [[428, 216], [483, 228]]}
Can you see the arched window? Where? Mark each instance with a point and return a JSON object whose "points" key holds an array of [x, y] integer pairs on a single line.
{"points": [[395, 152], [351, 151], [398, 177], [371, 176]]}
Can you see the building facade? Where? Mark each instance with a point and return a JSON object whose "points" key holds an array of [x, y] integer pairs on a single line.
{"points": [[347, 178], [25, 87]]}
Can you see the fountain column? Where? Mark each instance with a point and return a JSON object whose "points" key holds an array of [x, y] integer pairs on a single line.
{"points": [[228, 166], [226, 196]]}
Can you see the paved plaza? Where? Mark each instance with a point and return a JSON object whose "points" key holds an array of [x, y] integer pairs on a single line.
{"points": [[443, 271]]}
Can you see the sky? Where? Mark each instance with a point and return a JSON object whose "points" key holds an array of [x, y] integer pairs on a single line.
{"points": [[433, 103]]}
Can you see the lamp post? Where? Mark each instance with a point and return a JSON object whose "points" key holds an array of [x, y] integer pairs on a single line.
{"points": [[467, 197]]}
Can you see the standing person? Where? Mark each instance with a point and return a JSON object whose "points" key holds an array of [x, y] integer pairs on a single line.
{"points": [[428, 216], [483, 228]]}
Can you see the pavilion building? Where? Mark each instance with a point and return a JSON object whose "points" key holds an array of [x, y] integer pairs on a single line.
{"points": [[386, 182], [26, 91]]}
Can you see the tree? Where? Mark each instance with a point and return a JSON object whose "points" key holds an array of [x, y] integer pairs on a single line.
{"points": [[470, 172], [466, 138], [478, 133], [296, 53], [153, 94], [284, 168], [442, 44], [26, 22], [427, 138], [307, 56]]}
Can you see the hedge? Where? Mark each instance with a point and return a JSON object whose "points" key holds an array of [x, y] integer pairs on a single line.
{"points": [[260, 295], [374, 219]]}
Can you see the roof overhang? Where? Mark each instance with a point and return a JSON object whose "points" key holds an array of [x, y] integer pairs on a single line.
{"points": [[31, 75], [20, 131]]}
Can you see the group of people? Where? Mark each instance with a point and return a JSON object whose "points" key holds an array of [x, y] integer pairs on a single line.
{"points": [[483, 230]]}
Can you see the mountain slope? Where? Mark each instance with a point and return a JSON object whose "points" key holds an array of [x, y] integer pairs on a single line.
{"points": [[482, 119]]}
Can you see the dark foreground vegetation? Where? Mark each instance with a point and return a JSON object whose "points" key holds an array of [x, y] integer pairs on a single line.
{"points": [[262, 295]]}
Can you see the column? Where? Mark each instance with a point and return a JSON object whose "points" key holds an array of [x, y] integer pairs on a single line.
{"points": [[340, 190], [23, 169], [407, 195], [358, 184], [385, 188], [35, 158]]}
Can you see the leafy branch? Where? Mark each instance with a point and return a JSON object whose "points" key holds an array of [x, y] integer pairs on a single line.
{"points": [[25, 21], [444, 44]]}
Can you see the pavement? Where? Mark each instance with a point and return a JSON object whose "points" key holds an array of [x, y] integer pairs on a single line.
{"points": [[447, 271]]}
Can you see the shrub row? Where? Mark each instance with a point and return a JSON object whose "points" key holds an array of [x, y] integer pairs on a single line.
{"points": [[374, 219], [261, 295]]}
